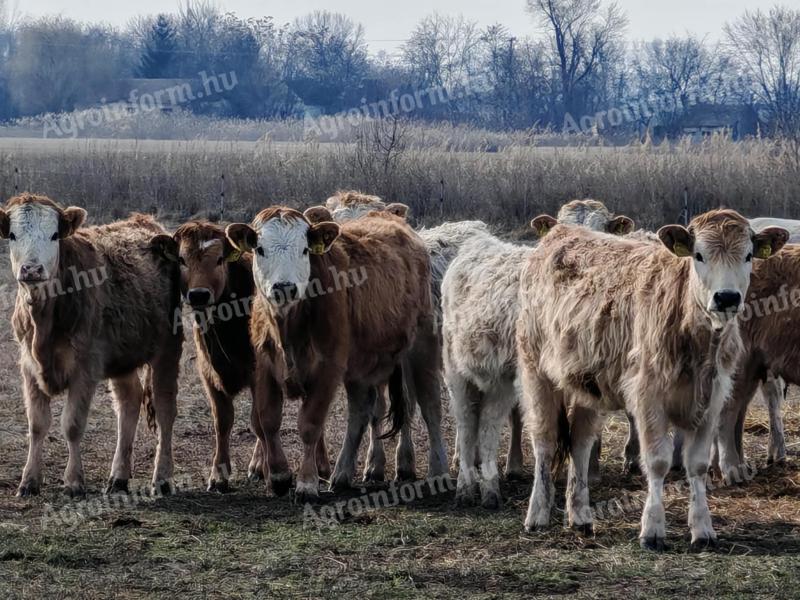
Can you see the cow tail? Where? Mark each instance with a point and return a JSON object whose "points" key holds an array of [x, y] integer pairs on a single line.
{"points": [[398, 408], [563, 443], [147, 398]]}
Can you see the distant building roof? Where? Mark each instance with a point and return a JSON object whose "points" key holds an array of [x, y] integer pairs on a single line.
{"points": [[719, 116]]}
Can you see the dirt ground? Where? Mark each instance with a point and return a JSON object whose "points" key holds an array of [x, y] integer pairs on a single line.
{"points": [[249, 543]]}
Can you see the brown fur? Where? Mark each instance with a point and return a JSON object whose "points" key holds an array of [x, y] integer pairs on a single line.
{"points": [[72, 341], [356, 335]]}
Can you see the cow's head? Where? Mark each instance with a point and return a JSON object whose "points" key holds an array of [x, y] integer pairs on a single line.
{"points": [[34, 226], [283, 241], [346, 206], [588, 213], [721, 246], [203, 252]]}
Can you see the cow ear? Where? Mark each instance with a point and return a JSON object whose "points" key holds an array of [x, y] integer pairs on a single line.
{"points": [[165, 246], [5, 224], [677, 239], [321, 237], [620, 225], [768, 241], [318, 214], [543, 224], [230, 253], [72, 218], [398, 209], [241, 236]]}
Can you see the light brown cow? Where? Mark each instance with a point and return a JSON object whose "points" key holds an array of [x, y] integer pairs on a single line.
{"points": [[334, 304], [93, 303], [607, 323]]}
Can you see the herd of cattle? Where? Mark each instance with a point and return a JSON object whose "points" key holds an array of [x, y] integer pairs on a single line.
{"points": [[677, 328]]}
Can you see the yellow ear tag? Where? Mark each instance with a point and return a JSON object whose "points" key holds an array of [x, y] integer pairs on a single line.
{"points": [[764, 251], [681, 249], [317, 248], [234, 256]]}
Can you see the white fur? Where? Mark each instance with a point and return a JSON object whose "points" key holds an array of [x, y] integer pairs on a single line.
{"points": [[34, 226], [285, 259]]}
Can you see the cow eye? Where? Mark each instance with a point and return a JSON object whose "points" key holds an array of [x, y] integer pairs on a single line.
{"points": [[12, 237], [54, 238], [699, 257], [748, 258], [260, 251], [305, 251]]}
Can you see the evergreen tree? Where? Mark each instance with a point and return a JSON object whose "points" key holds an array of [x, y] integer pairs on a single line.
{"points": [[159, 49]]}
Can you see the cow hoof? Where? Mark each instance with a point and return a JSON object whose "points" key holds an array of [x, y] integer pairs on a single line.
{"points": [[703, 544], [28, 489], [117, 486], [653, 543], [375, 476], [465, 499], [76, 492], [164, 487], [778, 460], [585, 530], [492, 501], [341, 484], [222, 486], [631, 468], [515, 475], [306, 493], [406, 475], [281, 483], [324, 474], [536, 528], [255, 475]]}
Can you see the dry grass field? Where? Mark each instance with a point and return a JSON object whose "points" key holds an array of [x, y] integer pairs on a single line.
{"points": [[250, 544]]}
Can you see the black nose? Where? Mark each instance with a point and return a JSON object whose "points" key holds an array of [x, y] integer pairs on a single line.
{"points": [[31, 272], [727, 300], [284, 292], [199, 297]]}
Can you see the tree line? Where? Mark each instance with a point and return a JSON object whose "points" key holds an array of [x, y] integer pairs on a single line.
{"points": [[575, 68]]}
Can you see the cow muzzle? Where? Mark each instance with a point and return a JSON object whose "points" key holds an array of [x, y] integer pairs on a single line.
{"points": [[199, 297], [727, 301], [31, 273], [284, 293]]}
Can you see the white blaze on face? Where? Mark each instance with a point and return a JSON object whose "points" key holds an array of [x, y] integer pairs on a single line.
{"points": [[722, 278], [281, 257], [33, 241]]}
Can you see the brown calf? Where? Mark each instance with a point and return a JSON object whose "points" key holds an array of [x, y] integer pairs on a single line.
{"points": [[334, 304], [93, 303]]}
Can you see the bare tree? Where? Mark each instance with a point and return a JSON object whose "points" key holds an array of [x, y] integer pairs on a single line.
{"points": [[584, 38], [766, 46]]}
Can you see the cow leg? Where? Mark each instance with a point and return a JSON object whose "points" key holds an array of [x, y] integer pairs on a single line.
{"points": [[543, 405], [405, 457], [376, 457], [426, 385], [731, 462], [465, 401], [323, 460], [222, 409], [677, 449], [359, 410], [695, 457], [494, 411], [266, 418], [594, 460], [310, 425], [73, 424], [583, 438], [773, 391], [656, 445], [631, 464], [165, 370], [128, 394], [514, 462], [256, 469], [37, 406]]}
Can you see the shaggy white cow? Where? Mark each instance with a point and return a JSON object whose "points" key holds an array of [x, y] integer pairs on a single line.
{"points": [[607, 323], [479, 302]]}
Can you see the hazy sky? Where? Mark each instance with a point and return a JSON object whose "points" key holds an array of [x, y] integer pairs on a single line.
{"points": [[386, 22]]}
